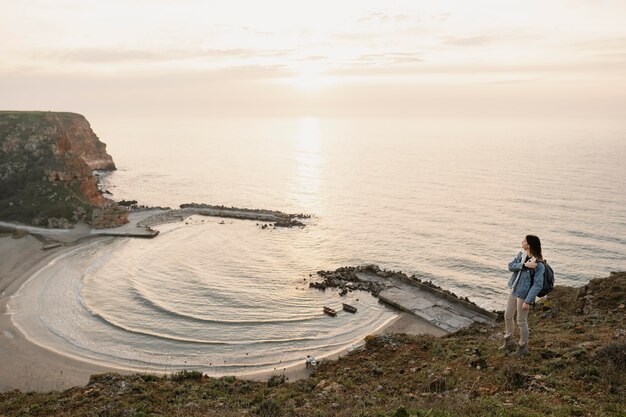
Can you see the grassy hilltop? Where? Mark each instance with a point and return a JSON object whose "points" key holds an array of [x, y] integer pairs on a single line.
{"points": [[577, 367]]}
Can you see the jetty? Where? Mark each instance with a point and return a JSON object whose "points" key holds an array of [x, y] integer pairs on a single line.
{"points": [[277, 218], [62, 237], [433, 304]]}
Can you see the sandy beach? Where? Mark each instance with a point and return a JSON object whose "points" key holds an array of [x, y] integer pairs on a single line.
{"points": [[24, 365], [29, 367]]}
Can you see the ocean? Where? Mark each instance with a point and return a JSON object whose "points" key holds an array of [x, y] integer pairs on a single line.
{"points": [[447, 200]]}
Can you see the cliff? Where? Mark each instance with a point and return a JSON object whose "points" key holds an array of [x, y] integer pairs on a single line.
{"points": [[46, 164]]}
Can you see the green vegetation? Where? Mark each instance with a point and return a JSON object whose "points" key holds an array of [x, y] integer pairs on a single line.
{"points": [[39, 180], [36, 202], [577, 367]]}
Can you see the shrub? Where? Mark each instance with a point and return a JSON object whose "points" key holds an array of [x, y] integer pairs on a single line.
{"points": [[514, 377], [149, 378], [268, 408], [401, 412], [612, 361], [185, 375], [613, 356], [276, 380]]}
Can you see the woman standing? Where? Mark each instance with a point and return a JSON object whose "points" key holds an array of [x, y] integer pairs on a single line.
{"points": [[524, 289]]}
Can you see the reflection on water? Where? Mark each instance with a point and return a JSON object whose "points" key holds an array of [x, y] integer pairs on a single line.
{"points": [[304, 184]]}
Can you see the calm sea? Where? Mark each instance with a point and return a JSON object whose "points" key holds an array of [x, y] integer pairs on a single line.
{"points": [[447, 200]]}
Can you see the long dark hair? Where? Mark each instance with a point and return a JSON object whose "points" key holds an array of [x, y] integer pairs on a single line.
{"points": [[535, 246]]}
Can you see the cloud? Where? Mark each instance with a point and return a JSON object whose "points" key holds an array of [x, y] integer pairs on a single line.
{"points": [[470, 40], [386, 18], [389, 58], [113, 55], [255, 31], [605, 44], [441, 17], [587, 69], [510, 35]]}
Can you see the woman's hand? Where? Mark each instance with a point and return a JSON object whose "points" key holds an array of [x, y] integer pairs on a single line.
{"points": [[531, 264], [525, 306]]}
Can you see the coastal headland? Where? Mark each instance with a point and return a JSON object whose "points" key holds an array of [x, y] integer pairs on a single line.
{"points": [[47, 161]]}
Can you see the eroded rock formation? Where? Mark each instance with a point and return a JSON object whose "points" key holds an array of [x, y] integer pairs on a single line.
{"points": [[46, 164]]}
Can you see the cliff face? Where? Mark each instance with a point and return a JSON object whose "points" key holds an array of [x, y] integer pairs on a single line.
{"points": [[46, 163], [81, 140]]}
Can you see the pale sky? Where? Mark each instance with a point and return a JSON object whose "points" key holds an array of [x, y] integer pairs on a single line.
{"points": [[322, 58]]}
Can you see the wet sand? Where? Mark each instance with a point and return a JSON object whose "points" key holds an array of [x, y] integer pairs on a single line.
{"points": [[29, 367], [25, 365]]}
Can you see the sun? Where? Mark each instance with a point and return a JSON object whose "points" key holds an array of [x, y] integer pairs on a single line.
{"points": [[309, 80]]}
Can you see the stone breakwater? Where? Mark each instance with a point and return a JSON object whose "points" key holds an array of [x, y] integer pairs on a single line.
{"points": [[346, 279], [278, 218], [434, 304]]}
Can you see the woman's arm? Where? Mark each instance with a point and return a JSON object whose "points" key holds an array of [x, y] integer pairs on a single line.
{"points": [[537, 284], [517, 263]]}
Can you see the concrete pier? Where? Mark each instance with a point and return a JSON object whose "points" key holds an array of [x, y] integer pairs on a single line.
{"points": [[438, 308]]}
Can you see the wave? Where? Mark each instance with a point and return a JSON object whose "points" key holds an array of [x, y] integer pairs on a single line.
{"points": [[129, 329], [158, 308]]}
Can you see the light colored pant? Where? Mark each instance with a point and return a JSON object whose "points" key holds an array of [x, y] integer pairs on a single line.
{"points": [[515, 304]]}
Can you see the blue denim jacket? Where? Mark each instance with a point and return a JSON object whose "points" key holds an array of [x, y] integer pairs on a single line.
{"points": [[523, 288]]}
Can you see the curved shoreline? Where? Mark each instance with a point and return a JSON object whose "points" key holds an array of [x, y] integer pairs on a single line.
{"points": [[27, 366]]}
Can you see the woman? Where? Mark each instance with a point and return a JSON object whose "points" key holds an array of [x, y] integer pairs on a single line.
{"points": [[524, 289]]}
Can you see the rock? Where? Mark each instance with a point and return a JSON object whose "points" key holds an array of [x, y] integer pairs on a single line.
{"points": [[478, 362], [332, 387], [109, 216], [321, 384], [59, 223], [587, 346], [437, 385], [318, 285], [376, 370]]}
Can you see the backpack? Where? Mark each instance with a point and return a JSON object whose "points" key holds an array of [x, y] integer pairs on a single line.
{"points": [[548, 279]]}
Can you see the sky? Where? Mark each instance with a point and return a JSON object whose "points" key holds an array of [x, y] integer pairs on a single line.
{"points": [[347, 58]]}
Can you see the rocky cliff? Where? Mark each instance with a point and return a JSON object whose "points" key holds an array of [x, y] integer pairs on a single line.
{"points": [[46, 164]]}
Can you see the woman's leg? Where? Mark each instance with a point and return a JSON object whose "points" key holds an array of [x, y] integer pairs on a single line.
{"points": [[522, 322], [511, 306]]}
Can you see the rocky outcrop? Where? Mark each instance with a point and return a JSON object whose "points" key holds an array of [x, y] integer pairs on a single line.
{"points": [[46, 164], [346, 278], [110, 215]]}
